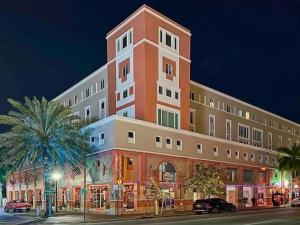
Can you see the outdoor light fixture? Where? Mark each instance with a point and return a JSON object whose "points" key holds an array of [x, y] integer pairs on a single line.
{"points": [[56, 176]]}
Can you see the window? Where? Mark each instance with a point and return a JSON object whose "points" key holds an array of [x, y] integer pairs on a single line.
{"points": [[232, 175], [237, 154], [228, 130], [125, 114], [215, 151], [125, 94], [160, 90], [101, 138], [266, 159], [168, 119], [179, 145], [192, 117], [199, 148], [125, 70], [158, 142], [176, 95], [246, 156], [274, 161], [211, 127], [87, 93], [279, 141], [168, 40], [102, 84], [124, 42], [211, 103], [75, 99], [228, 151], [168, 93], [70, 103], [92, 139], [102, 111], [130, 163], [269, 140], [87, 115], [240, 113], [175, 43], [228, 108], [257, 137], [289, 143], [167, 172], [131, 137], [192, 96], [260, 158], [248, 176], [252, 157], [169, 143], [168, 69], [243, 134], [161, 36]]}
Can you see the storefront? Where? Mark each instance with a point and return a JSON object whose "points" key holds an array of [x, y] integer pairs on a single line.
{"points": [[76, 197], [99, 197], [231, 194], [130, 197], [248, 194]]}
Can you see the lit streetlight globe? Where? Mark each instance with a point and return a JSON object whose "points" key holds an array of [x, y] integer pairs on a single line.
{"points": [[56, 176]]}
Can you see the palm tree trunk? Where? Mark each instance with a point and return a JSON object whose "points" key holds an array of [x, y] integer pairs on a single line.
{"points": [[47, 185]]}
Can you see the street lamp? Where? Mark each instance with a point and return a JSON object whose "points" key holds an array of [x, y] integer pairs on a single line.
{"points": [[56, 176]]}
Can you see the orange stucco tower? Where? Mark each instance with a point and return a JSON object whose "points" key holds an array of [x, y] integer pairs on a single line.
{"points": [[148, 61]]}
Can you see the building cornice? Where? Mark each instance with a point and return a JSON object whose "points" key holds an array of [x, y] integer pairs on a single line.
{"points": [[145, 8], [243, 102]]}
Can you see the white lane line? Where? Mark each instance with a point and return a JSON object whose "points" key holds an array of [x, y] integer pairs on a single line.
{"points": [[262, 222]]}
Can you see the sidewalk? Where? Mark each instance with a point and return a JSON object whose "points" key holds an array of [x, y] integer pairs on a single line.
{"points": [[77, 217]]}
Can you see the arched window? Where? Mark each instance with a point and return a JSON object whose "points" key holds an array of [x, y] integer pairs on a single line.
{"points": [[167, 172]]}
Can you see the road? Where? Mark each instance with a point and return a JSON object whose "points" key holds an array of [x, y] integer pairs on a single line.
{"points": [[282, 216]]}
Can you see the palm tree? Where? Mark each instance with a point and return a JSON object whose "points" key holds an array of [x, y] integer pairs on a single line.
{"points": [[289, 160], [42, 132]]}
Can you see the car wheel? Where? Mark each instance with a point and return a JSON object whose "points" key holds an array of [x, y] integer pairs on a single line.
{"points": [[232, 210], [6, 209], [214, 210], [293, 205]]}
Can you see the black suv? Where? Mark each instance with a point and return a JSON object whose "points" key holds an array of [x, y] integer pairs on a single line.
{"points": [[213, 205]]}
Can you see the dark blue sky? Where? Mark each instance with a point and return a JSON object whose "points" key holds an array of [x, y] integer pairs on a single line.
{"points": [[247, 49]]}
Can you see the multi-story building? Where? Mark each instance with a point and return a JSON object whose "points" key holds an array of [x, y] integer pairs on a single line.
{"points": [[147, 118]]}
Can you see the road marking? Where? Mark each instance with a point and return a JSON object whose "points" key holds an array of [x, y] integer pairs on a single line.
{"points": [[262, 222]]}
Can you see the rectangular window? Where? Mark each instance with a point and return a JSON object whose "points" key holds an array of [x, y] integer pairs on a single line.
{"points": [[160, 90], [87, 114], [212, 125], [158, 142], [176, 95], [199, 148], [168, 40], [168, 69], [179, 145], [248, 176], [228, 129], [289, 143], [131, 137], [246, 156], [125, 94], [125, 70], [237, 154], [101, 138], [279, 141], [130, 37], [257, 137], [75, 99], [125, 114], [102, 111], [124, 41], [102, 84], [269, 140], [87, 93], [228, 108], [260, 158], [192, 96], [252, 157], [266, 159], [92, 139], [167, 119], [175, 43], [228, 151], [243, 134], [161, 36], [211, 103], [192, 117], [215, 151], [168, 93], [232, 175], [169, 143]]}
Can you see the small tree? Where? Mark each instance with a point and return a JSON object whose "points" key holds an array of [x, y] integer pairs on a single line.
{"points": [[207, 181], [153, 192]]}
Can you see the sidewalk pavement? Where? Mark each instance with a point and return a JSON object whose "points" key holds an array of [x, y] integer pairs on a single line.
{"points": [[77, 217]]}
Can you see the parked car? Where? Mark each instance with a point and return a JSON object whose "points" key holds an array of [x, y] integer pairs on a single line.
{"points": [[213, 205], [295, 202], [17, 206]]}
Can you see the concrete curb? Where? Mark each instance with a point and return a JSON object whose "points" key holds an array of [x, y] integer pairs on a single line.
{"points": [[34, 221]]}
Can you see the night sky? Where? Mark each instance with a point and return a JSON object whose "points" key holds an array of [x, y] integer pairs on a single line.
{"points": [[247, 49]]}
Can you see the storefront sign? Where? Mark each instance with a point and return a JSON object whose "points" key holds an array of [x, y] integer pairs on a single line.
{"points": [[168, 177]]}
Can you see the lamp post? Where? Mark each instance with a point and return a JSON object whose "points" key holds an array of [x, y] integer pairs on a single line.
{"points": [[56, 176]]}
